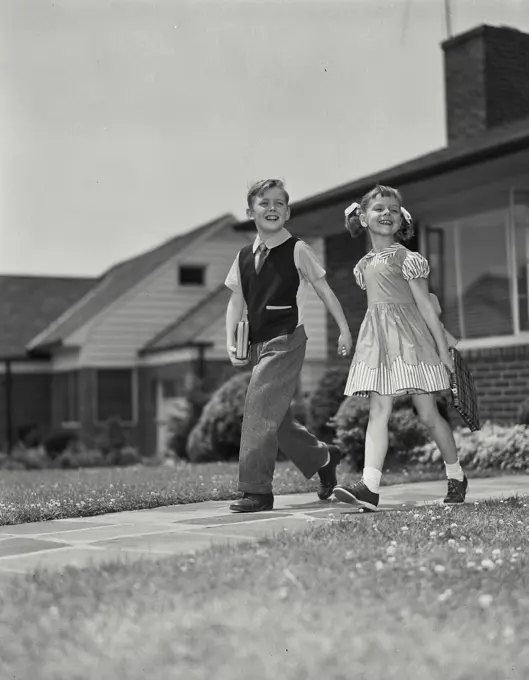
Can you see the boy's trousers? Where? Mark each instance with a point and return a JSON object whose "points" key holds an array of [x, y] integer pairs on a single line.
{"points": [[268, 423]]}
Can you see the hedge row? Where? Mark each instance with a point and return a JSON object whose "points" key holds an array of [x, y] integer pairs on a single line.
{"points": [[343, 420]]}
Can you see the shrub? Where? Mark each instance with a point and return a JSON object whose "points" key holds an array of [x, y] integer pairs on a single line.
{"points": [[81, 458], [495, 446], [58, 441], [405, 429], [29, 435], [111, 437], [189, 410], [325, 401], [123, 457], [31, 458], [217, 434], [523, 413], [328, 396]]}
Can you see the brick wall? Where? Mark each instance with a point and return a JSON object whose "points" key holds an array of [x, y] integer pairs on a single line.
{"points": [[486, 80], [502, 380]]}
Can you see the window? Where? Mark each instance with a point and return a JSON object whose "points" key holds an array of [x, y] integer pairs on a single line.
{"points": [[115, 395], [520, 221], [169, 389], [191, 275], [480, 271], [66, 396]]}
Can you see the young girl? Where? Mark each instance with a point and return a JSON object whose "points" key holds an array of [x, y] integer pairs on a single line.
{"points": [[402, 346]]}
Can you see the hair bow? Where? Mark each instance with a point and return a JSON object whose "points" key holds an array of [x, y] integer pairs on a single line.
{"points": [[352, 208], [406, 215]]}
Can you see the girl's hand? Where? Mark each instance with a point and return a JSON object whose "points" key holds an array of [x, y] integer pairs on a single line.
{"points": [[447, 360], [345, 343]]}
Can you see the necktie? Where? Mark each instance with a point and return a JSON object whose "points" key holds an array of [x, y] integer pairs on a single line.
{"points": [[262, 254]]}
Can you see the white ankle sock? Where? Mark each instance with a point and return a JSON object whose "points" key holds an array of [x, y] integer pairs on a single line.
{"points": [[371, 478], [454, 471]]}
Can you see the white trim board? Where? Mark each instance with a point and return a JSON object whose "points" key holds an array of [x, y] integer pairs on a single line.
{"points": [[171, 356], [27, 367], [495, 342]]}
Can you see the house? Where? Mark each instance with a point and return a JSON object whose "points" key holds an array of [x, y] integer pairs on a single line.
{"points": [[28, 304], [471, 202], [76, 352]]}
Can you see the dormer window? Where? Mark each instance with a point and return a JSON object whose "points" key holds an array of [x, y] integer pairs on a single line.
{"points": [[191, 275]]}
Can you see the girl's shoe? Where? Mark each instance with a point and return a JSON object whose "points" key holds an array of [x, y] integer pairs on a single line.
{"points": [[457, 491], [358, 494]]}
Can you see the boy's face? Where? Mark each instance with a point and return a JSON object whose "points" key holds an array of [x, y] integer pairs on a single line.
{"points": [[269, 210]]}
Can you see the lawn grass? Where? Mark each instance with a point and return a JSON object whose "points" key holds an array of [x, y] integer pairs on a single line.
{"points": [[426, 594], [37, 495]]}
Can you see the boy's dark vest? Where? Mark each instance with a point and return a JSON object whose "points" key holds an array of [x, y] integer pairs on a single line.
{"points": [[276, 285]]}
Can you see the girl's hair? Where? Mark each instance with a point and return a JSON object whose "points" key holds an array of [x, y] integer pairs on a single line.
{"points": [[258, 187], [352, 221]]}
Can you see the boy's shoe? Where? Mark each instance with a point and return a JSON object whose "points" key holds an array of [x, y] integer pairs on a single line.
{"points": [[457, 491], [254, 502], [358, 494], [327, 474]]}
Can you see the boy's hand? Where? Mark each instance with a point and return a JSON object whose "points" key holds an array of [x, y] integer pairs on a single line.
{"points": [[232, 351], [345, 343]]}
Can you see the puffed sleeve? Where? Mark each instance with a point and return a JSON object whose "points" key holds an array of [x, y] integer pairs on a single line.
{"points": [[359, 277], [415, 266]]}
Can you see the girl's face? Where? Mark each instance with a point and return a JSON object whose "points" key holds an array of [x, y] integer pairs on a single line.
{"points": [[270, 210], [383, 216]]}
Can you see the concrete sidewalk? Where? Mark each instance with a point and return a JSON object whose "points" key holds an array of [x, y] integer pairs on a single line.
{"points": [[180, 529]]}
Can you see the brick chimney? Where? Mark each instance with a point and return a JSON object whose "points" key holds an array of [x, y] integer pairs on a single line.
{"points": [[486, 80]]}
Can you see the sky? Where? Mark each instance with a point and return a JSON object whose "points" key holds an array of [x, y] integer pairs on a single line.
{"points": [[125, 122]]}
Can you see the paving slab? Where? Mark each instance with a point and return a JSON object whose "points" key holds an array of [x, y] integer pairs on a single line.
{"points": [[187, 529]]}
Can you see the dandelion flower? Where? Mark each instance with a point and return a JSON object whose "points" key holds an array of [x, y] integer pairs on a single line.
{"points": [[485, 600]]}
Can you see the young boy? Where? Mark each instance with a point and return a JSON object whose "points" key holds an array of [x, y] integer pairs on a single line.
{"points": [[271, 277]]}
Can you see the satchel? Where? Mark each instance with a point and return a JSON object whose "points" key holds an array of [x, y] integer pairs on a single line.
{"points": [[242, 335], [464, 396]]}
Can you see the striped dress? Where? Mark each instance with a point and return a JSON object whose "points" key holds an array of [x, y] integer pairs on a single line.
{"points": [[395, 351]]}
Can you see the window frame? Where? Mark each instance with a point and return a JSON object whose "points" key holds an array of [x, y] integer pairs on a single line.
{"points": [[72, 398], [518, 336], [133, 395]]}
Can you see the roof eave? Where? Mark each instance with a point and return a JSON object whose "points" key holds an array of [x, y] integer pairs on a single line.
{"points": [[10, 357], [175, 346], [393, 175]]}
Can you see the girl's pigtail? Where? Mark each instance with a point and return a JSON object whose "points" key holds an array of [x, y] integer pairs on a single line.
{"points": [[352, 220], [407, 229]]}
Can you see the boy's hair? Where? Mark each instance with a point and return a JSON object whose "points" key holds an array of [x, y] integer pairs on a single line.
{"points": [[352, 221], [258, 187]]}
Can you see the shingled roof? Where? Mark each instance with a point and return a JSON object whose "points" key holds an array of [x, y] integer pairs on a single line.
{"points": [[119, 279], [28, 304], [184, 331]]}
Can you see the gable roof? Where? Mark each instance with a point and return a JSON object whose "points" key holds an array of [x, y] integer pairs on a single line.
{"points": [[497, 141], [121, 278], [28, 304], [184, 331]]}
